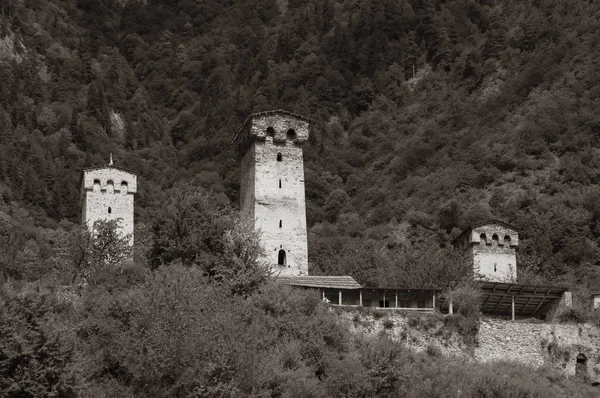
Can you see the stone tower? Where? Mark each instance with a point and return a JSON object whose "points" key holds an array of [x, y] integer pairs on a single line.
{"points": [[108, 195], [493, 247], [272, 186]]}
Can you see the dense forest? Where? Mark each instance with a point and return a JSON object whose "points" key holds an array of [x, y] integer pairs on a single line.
{"points": [[428, 115]]}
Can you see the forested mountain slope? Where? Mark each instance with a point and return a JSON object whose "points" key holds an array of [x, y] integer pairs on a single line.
{"points": [[428, 115]]}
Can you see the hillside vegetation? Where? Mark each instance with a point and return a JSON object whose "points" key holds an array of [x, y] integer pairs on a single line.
{"points": [[428, 115], [499, 119]]}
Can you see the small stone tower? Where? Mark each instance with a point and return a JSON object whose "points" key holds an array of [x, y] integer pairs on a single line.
{"points": [[493, 247], [108, 195], [272, 186]]}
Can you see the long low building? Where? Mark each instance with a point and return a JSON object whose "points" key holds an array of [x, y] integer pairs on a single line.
{"points": [[499, 299], [345, 291]]}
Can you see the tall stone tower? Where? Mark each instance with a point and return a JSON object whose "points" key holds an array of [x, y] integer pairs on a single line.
{"points": [[108, 195], [492, 245], [272, 186]]}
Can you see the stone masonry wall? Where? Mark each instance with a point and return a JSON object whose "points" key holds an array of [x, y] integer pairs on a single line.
{"points": [[495, 260], [532, 343], [109, 188], [272, 190], [538, 344], [418, 331]]}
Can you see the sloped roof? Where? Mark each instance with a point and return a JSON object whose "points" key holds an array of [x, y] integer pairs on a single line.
{"points": [[530, 300], [332, 282], [492, 221], [109, 167]]}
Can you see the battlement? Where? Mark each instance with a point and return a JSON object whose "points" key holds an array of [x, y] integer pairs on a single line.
{"points": [[276, 126], [108, 194], [109, 179], [493, 247]]}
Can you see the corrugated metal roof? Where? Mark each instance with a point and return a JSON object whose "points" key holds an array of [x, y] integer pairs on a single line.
{"points": [[321, 281], [530, 300]]}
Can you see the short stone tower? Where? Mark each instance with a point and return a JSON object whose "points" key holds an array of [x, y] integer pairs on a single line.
{"points": [[493, 247], [108, 195], [272, 186]]}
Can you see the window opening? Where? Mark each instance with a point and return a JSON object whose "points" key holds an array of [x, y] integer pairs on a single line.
{"points": [[124, 187], [279, 223], [109, 210], [96, 185], [280, 183], [507, 240], [291, 134], [495, 238], [483, 239], [281, 257], [110, 186], [495, 267], [279, 157], [270, 131]]}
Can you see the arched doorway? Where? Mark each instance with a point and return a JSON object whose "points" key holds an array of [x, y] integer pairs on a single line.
{"points": [[281, 260], [581, 366]]}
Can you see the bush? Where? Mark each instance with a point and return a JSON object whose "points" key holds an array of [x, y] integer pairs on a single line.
{"points": [[466, 299], [388, 323], [433, 350], [572, 315]]}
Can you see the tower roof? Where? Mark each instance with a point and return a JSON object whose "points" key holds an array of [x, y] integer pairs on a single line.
{"points": [[109, 167], [274, 112], [481, 224]]}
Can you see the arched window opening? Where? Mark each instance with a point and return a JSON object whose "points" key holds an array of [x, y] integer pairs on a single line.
{"points": [[507, 240], [271, 132], [124, 187], [280, 183], [495, 238], [483, 239], [279, 157], [96, 185], [109, 210], [291, 134], [281, 257], [581, 366], [110, 186], [280, 223]]}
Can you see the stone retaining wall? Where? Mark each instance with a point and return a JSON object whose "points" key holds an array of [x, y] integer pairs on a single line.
{"points": [[540, 344]]}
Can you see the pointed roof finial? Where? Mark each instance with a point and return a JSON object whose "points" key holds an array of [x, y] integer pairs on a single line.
{"points": [[110, 163]]}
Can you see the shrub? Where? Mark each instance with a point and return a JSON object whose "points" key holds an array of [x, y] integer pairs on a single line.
{"points": [[466, 299], [572, 315], [378, 314], [433, 350], [388, 323]]}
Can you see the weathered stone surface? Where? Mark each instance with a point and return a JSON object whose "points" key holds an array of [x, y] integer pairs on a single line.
{"points": [[427, 332], [493, 247], [532, 343], [272, 186], [540, 344], [108, 194]]}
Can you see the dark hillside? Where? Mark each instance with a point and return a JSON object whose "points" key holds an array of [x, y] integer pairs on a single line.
{"points": [[499, 119]]}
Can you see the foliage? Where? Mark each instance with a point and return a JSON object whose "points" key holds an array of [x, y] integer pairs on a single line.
{"points": [[472, 110], [193, 227]]}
